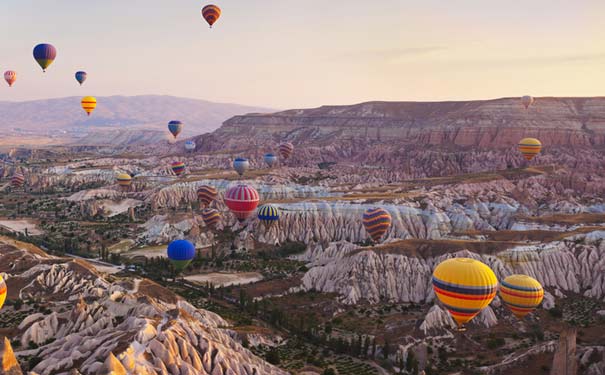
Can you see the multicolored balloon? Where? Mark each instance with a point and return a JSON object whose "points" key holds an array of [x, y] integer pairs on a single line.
{"points": [[271, 160], [175, 127], [464, 286], [3, 291], [178, 167], [242, 200], [527, 100], [18, 180], [377, 222], [124, 181], [189, 145], [181, 253], [286, 149], [211, 13], [206, 194], [530, 147], [521, 294], [45, 54], [241, 165], [89, 103], [81, 77], [10, 76], [268, 214], [211, 217]]}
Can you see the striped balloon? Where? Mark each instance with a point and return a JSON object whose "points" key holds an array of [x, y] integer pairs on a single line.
{"points": [[271, 160], [377, 222], [268, 214], [175, 127], [45, 54], [206, 194], [530, 147], [211, 14], [89, 103], [241, 165], [242, 200], [211, 217], [178, 167], [3, 291], [465, 287], [18, 180], [286, 149], [124, 181], [10, 76], [521, 294]]}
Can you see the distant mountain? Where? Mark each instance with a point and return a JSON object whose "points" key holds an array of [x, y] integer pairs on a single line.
{"points": [[150, 112]]}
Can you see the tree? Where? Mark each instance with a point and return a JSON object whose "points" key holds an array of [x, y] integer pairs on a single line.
{"points": [[411, 364], [273, 356], [329, 371], [386, 349]]}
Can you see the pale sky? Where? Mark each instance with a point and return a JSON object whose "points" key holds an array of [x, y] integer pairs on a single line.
{"points": [[305, 53]]}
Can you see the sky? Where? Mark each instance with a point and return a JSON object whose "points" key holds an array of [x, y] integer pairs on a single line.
{"points": [[306, 53]]}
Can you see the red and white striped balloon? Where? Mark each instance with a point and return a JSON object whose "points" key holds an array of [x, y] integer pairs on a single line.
{"points": [[242, 200], [10, 76]]}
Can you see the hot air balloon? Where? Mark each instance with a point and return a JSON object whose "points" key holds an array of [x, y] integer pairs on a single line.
{"points": [[89, 103], [18, 180], [530, 147], [2, 292], [286, 149], [81, 77], [464, 286], [241, 165], [242, 200], [178, 167], [10, 76], [180, 253], [124, 181], [175, 127], [206, 194], [211, 14], [377, 222], [268, 214], [521, 294], [527, 101], [271, 160], [45, 54], [189, 145], [211, 217]]}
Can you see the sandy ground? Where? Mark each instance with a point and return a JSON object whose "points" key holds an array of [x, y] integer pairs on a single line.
{"points": [[20, 226], [226, 279], [149, 252]]}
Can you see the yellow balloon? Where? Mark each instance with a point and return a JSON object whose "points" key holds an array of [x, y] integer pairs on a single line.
{"points": [[2, 292], [124, 180], [89, 103], [521, 294], [530, 147], [464, 286]]}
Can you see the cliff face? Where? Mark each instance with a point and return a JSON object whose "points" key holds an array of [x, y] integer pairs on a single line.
{"points": [[491, 123]]}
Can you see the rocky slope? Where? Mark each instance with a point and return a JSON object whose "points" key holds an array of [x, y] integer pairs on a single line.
{"points": [[90, 325]]}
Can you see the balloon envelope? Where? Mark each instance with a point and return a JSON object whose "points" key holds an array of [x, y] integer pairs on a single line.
{"points": [[206, 194], [271, 160], [45, 54], [377, 222], [124, 181], [464, 286], [527, 100], [521, 294], [10, 76], [175, 127], [241, 165], [211, 13], [211, 217], [286, 149], [242, 200], [268, 214], [178, 167], [89, 103], [18, 180], [189, 145], [529, 147], [180, 253], [81, 77], [3, 291]]}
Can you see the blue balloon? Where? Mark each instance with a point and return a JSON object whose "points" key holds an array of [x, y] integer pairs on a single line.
{"points": [[181, 250], [271, 160], [81, 77]]}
